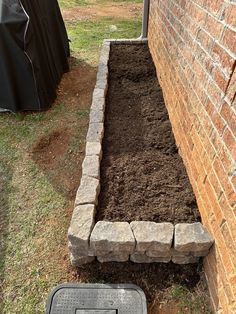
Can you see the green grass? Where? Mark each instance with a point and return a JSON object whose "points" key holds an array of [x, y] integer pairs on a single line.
{"points": [[73, 3], [33, 209], [194, 302], [87, 37]]}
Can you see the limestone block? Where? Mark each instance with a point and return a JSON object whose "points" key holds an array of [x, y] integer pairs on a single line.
{"points": [[151, 236], [143, 258], [200, 253], [113, 237], [98, 93], [91, 166], [102, 75], [81, 226], [88, 191], [105, 53], [93, 148], [98, 103], [82, 260], [96, 116], [95, 132], [119, 257], [192, 238], [185, 259]]}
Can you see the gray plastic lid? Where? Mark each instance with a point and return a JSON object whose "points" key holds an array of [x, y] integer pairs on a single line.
{"points": [[96, 299]]}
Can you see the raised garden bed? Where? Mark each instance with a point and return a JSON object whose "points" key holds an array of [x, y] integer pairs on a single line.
{"points": [[139, 204]]}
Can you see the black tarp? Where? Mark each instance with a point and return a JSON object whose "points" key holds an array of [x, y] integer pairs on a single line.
{"points": [[33, 53]]}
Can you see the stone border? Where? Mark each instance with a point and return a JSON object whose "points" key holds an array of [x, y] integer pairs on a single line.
{"points": [[139, 241]]}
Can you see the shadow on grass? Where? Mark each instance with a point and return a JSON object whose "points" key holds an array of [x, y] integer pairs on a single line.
{"points": [[59, 151], [5, 185]]}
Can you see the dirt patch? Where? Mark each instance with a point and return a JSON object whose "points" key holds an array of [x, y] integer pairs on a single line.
{"points": [[152, 278], [76, 87], [92, 12], [142, 175], [60, 153], [49, 149]]}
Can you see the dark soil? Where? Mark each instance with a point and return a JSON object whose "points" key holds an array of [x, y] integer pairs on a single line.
{"points": [[152, 278], [142, 175]]}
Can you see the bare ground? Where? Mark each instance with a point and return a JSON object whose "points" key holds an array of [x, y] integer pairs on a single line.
{"points": [[92, 12]]}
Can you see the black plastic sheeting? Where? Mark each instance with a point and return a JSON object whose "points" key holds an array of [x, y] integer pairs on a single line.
{"points": [[34, 52]]}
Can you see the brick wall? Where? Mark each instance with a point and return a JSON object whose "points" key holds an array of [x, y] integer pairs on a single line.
{"points": [[193, 44]]}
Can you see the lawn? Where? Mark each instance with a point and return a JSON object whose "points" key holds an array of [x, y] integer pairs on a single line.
{"points": [[36, 197], [40, 165]]}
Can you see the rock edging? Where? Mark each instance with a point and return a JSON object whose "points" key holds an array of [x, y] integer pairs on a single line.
{"points": [[139, 241]]}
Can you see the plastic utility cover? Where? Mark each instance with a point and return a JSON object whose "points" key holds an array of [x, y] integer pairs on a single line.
{"points": [[96, 299]]}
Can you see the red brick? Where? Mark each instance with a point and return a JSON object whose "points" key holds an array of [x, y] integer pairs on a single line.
{"points": [[228, 213], [229, 116], [230, 15], [221, 79], [218, 122], [231, 91], [198, 83], [233, 181], [229, 241], [216, 140], [221, 56], [214, 6], [223, 250], [224, 179], [230, 142], [228, 39], [226, 159], [213, 26], [197, 13], [224, 303], [211, 274], [214, 180], [232, 281], [215, 94], [205, 40]]}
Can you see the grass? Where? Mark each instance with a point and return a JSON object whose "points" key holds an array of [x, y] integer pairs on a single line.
{"points": [[86, 37], [34, 213], [194, 302], [73, 3]]}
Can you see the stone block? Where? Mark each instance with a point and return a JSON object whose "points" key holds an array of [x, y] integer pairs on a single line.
{"points": [[98, 104], [192, 238], [98, 93], [76, 251], [151, 236], [96, 116], [80, 261], [166, 254], [81, 226], [105, 53], [119, 257], [88, 191], [175, 253], [200, 253], [185, 259], [95, 132], [93, 148], [113, 237], [143, 258], [91, 166], [102, 75]]}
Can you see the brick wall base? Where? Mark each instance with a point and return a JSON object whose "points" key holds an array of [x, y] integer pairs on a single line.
{"points": [[193, 45]]}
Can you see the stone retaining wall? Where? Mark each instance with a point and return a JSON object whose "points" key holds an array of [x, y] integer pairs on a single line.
{"points": [[139, 241]]}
